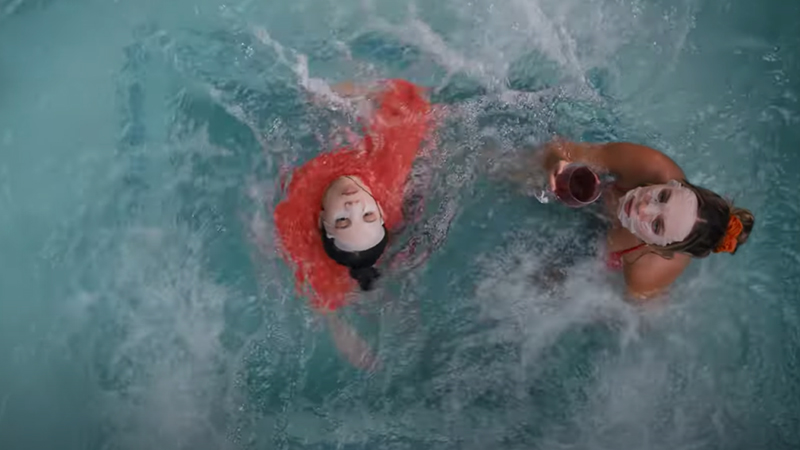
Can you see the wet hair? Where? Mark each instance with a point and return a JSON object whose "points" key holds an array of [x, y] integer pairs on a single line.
{"points": [[713, 215], [361, 263]]}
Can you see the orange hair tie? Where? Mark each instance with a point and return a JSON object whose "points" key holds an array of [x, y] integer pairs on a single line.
{"points": [[729, 242]]}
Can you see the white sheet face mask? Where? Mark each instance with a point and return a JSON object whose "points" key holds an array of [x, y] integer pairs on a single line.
{"points": [[661, 214], [351, 216]]}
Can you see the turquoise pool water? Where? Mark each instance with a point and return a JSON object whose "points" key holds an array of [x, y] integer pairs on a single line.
{"points": [[143, 307]]}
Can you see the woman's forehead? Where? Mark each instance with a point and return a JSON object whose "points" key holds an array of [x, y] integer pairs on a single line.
{"points": [[672, 186], [680, 213]]}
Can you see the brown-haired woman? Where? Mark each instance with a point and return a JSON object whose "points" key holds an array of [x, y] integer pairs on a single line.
{"points": [[660, 220]]}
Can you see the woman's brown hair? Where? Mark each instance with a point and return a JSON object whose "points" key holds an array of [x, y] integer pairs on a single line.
{"points": [[715, 216]]}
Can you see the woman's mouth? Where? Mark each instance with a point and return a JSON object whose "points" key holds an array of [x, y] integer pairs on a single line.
{"points": [[628, 207], [350, 191]]}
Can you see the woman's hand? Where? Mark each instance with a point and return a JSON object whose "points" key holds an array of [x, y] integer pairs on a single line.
{"points": [[553, 173], [555, 156]]}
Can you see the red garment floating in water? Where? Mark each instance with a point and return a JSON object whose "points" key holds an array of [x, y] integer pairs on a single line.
{"points": [[383, 159]]}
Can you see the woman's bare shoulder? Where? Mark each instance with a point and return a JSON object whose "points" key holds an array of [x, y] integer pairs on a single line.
{"points": [[651, 274]]}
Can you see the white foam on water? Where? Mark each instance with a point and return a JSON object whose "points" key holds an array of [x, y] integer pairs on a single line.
{"points": [[173, 366], [538, 311], [299, 65]]}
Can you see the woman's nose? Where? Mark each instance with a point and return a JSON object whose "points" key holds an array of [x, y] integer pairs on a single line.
{"points": [[648, 209]]}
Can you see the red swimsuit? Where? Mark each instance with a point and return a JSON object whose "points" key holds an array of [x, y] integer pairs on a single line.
{"points": [[383, 159], [614, 261]]}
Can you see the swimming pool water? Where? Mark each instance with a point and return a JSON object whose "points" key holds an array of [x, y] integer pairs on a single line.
{"points": [[143, 306]]}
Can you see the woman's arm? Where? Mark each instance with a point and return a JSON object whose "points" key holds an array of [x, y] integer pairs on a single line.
{"points": [[350, 89], [350, 344], [633, 164]]}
